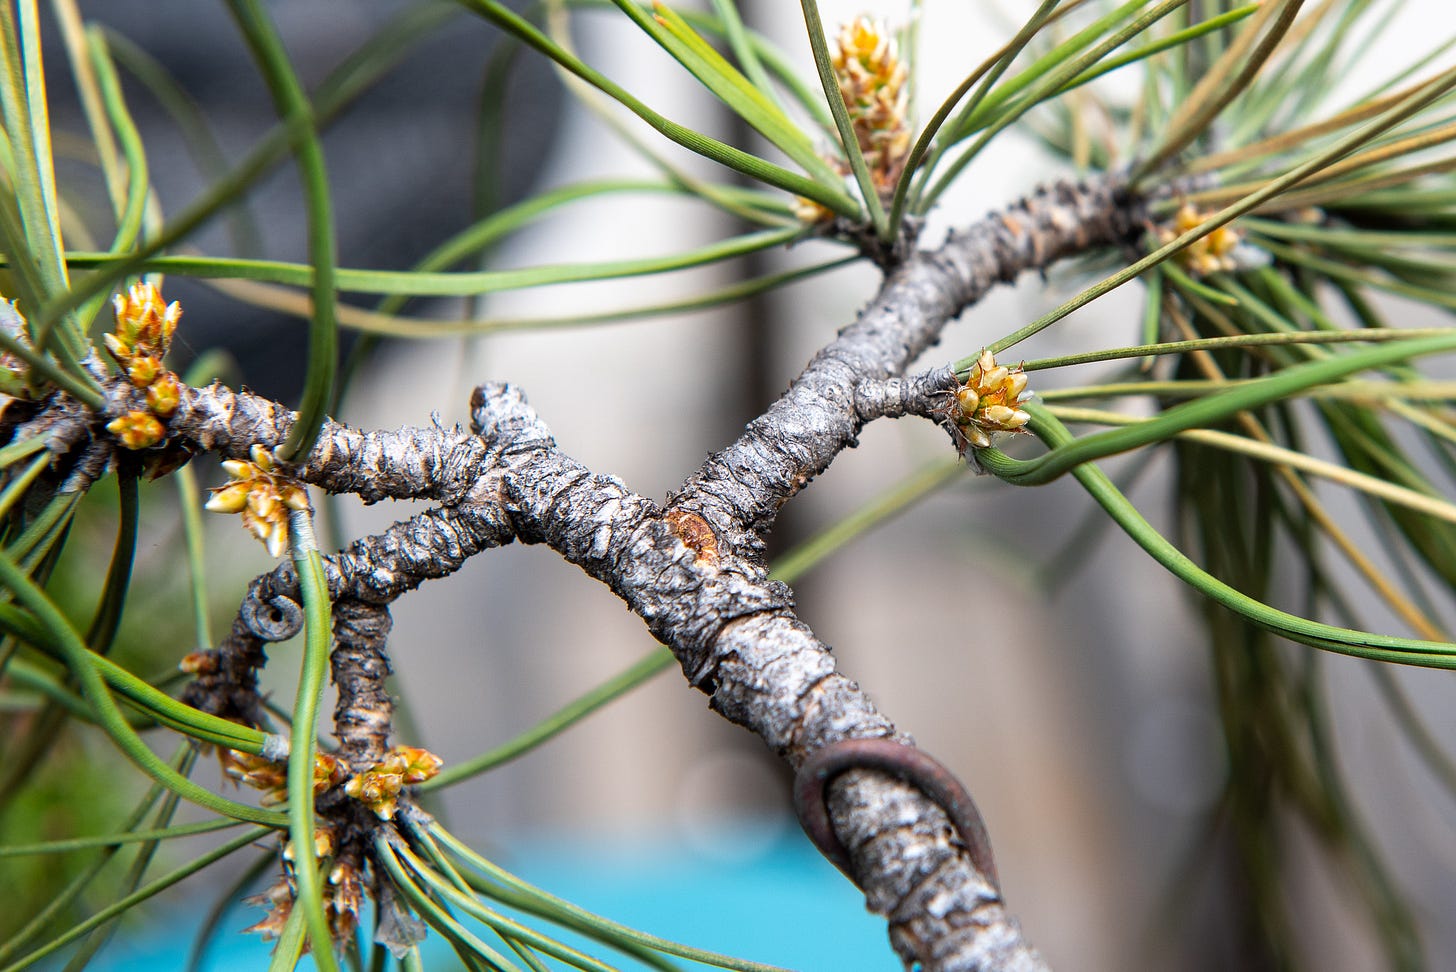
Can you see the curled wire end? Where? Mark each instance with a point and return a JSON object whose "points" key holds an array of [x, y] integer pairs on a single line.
{"points": [[905, 763], [277, 619]]}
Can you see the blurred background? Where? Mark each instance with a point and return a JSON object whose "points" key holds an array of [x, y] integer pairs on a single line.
{"points": [[1084, 726]]}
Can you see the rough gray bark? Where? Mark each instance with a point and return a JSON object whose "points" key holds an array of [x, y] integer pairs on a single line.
{"points": [[692, 568], [359, 666], [740, 489], [734, 633]]}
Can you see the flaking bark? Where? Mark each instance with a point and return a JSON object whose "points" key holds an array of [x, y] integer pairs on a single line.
{"points": [[434, 463]]}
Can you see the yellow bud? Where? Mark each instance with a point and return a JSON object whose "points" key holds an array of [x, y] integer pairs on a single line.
{"points": [[198, 663], [998, 414], [327, 772], [277, 539], [120, 350], [992, 379], [263, 503], [137, 430], [809, 211], [1186, 218], [1222, 240], [258, 528], [231, 498], [873, 82], [143, 370], [418, 764], [1211, 253], [263, 494], [967, 400], [145, 323], [271, 778], [376, 789], [987, 402], [164, 395]]}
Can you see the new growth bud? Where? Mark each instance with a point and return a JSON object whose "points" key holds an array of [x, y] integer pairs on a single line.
{"points": [[873, 82], [144, 329], [1211, 253], [263, 494], [137, 430], [272, 777], [378, 787], [144, 323], [164, 395], [988, 401]]}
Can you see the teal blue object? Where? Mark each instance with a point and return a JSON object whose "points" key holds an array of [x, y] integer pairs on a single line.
{"points": [[786, 906]]}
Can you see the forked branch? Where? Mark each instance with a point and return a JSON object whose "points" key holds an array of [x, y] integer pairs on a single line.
{"points": [[693, 568]]}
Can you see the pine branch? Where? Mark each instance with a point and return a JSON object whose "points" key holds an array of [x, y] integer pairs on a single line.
{"points": [[740, 489], [692, 569], [734, 633]]}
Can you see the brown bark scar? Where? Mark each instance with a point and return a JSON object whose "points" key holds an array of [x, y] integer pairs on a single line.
{"points": [[695, 534]]}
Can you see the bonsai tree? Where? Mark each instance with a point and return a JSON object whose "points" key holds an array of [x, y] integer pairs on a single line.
{"points": [[1261, 214]]}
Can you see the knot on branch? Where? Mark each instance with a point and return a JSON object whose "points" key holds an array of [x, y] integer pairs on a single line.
{"points": [[59, 419], [984, 935], [435, 462], [71, 433], [888, 256], [1056, 221]]}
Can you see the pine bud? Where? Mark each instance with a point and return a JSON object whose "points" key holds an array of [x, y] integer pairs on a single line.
{"points": [[144, 322], [164, 394], [988, 402], [873, 82], [137, 430], [264, 494]]}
